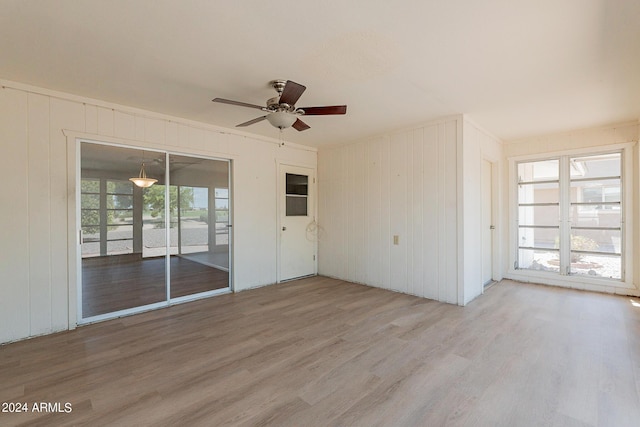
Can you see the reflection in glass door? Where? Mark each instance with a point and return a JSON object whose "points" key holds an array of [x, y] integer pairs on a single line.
{"points": [[199, 201], [127, 263], [123, 231]]}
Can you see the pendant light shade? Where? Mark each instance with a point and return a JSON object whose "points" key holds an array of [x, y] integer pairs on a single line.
{"points": [[142, 180]]}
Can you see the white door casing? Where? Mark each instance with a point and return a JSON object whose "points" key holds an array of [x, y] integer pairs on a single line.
{"points": [[296, 222], [487, 222]]}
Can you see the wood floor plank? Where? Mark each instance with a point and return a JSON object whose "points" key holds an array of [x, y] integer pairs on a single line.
{"points": [[320, 351]]}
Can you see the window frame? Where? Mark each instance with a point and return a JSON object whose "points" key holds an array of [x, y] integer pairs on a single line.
{"points": [[561, 278]]}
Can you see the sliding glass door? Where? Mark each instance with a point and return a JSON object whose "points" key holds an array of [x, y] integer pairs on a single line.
{"points": [[146, 246], [199, 258]]}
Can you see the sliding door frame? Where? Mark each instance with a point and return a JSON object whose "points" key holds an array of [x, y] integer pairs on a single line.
{"points": [[74, 143]]}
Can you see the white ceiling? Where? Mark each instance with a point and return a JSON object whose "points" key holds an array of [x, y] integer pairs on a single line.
{"points": [[516, 67]]}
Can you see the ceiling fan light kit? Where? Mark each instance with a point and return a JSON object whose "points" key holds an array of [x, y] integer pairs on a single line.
{"points": [[281, 119], [281, 110]]}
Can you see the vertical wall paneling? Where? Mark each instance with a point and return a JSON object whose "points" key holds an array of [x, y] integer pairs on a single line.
{"points": [[385, 190], [472, 190], [139, 128], [451, 221], [38, 191], [196, 138], [406, 183], [124, 125], [154, 131], [417, 215], [398, 214], [91, 118], [356, 194], [171, 134], [106, 119], [38, 166], [14, 249], [183, 137], [443, 237], [345, 261], [374, 224], [430, 217], [64, 115]]}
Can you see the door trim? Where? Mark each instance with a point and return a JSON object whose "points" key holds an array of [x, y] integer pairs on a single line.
{"points": [[74, 252], [492, 220], [280, 164]]}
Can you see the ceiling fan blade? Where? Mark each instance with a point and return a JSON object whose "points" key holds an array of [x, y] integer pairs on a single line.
{"points": [[323, 111], [238, 103], [291, 93], [250, 122], [299, 125]]}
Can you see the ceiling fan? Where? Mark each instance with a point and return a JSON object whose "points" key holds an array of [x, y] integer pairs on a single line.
{"points": [[282, 111]]}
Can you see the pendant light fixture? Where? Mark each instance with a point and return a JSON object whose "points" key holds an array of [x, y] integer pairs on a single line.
{"points": [[141, 180]]}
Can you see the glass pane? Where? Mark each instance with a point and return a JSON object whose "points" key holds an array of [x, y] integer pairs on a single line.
{"points": [[153, 221], [222, 203], [609, 266], [90, 185], [222, 234], [119, 187], [90, 218], [120, 232], [538, 215], [599, 165], [595, 216], [222, 216], [596, 240], [547, 238], [117, 217], [297, 184], [602, 190], [194, 221], [90, 249], [296, 206], [197, 264], [115, 276], [90, 234], [222, 192], [539, 193], [120, 247], [116, 201], [540, 260], [89, 201], [545, 170]]}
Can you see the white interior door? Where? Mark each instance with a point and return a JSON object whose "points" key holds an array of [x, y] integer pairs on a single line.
{"points": [[487, 224], [297, 222]]}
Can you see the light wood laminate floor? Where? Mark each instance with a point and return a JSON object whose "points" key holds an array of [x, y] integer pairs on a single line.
{"points": [[320, 351]]}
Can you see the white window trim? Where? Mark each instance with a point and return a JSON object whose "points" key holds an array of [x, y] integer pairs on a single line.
{"points": [[599, 284]]}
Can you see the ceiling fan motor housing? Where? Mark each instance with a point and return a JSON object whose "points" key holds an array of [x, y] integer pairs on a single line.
{"points": [[281, 110]]}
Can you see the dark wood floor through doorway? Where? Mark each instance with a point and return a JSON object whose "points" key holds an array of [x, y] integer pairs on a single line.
{"points": [[125, 281]]}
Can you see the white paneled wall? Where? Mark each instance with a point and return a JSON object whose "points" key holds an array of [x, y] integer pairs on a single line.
{"points": [[37, 126], [404, 185], [422, 185]]}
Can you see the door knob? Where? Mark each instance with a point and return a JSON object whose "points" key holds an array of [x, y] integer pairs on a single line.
{"points": [[284, 228], [492, 227]]}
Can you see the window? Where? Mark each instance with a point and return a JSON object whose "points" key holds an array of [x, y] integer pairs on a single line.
{"points": [[222, 215], [569, 215], [107, 217], [297, 193]]}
